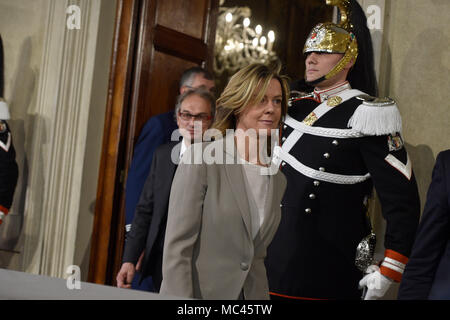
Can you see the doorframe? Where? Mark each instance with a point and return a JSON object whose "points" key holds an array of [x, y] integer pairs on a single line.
{"points": [[114, 140]]}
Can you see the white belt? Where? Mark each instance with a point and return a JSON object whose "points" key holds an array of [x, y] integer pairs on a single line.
{"points": [[280, 154]]}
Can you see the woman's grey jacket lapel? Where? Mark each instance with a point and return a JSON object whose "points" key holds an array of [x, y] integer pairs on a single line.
{"points": [[235, 176]]}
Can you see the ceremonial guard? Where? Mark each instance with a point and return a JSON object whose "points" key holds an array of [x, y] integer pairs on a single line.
{"points": [[337, 144], [8, 165]]}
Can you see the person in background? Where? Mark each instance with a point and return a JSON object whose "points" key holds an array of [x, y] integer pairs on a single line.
{"points": [[149, 223], [156, 131], [9, 171], [427, 274]]}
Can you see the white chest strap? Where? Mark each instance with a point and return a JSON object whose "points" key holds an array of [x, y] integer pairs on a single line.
{"points": [[282, 154], [321, 131], [300, 128]]}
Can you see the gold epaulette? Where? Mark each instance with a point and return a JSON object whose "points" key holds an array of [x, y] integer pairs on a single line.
{"points": [[375, 101]]}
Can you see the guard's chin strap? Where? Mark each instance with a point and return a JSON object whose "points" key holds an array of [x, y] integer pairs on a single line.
{"points": [[351, 53], [314, 82], [336, 69]]}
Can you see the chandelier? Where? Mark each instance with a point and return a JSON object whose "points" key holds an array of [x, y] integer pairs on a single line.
{"points": [[237, 44]]}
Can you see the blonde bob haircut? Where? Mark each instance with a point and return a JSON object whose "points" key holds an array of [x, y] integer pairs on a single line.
{"points": [[246, 87]]}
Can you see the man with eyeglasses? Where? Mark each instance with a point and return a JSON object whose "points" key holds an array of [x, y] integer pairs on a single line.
{"points": [[156, 131], [194, 114]]}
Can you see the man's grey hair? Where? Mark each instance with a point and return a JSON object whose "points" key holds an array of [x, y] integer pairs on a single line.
{"points": [[188, 75], [202, 93]]}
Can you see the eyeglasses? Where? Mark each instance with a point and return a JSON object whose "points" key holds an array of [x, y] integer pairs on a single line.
{"points": [[186, 116]]}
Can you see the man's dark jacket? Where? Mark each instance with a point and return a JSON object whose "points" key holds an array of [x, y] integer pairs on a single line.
{"points": [[427, 274], [149, 223]]}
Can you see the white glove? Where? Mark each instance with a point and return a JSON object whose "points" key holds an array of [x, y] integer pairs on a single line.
{"points": [[1, 216], [376, 283]]}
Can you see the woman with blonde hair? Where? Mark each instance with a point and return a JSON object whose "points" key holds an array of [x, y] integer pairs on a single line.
{"points": [[223, 215]]}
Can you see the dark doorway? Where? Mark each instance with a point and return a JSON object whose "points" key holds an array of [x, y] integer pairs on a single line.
{"points": [[291, 20]]}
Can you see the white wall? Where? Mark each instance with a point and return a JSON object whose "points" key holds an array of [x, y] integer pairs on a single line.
{"points": [[95, 135], [22, 31], [56, 84], [417, 76]]}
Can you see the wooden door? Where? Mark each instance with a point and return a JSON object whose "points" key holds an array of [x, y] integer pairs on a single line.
{"points": [[155, 41]]}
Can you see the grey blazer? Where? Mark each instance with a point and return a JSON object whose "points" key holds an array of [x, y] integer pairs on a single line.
{"points": [[209, 251]]}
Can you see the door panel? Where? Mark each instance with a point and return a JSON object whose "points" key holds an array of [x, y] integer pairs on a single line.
{"points": [[183, 16], [170, 69]]}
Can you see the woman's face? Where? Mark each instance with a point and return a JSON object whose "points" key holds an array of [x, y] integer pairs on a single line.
{"points": [[265, 114]]}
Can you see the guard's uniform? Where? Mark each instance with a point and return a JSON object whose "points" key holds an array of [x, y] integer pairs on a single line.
{"points": [[8, 168], [330, 170]]}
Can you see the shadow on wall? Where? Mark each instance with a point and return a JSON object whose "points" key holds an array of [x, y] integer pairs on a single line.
{"points": [[23, 123], [422, 160], [424, 84], [424, 75], [384, 78]]}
